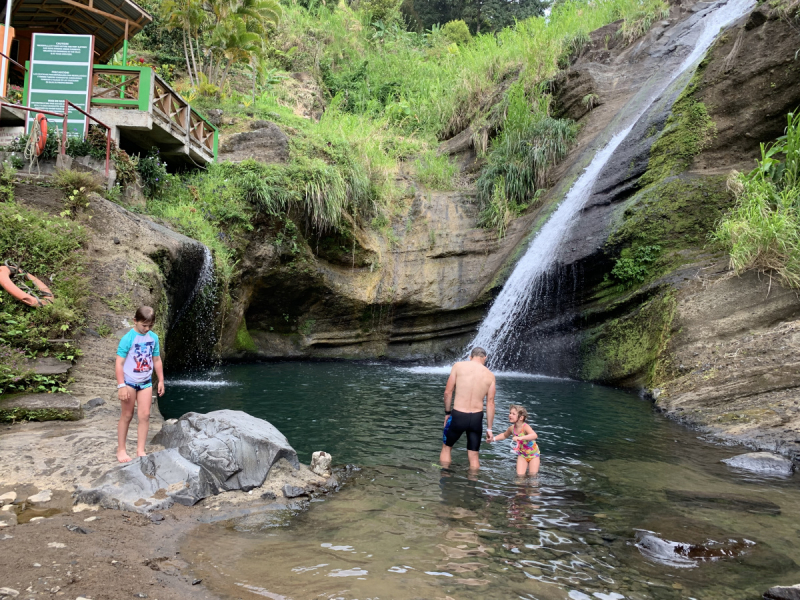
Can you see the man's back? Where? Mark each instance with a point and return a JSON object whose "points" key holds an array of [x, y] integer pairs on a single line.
{"points": [[473, 381]]}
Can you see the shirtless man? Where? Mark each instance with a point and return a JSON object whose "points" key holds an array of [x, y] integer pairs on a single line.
{"points": [[472, 382]]}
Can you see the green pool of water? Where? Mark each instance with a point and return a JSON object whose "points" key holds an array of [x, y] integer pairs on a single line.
{"points": [[618, 483]]}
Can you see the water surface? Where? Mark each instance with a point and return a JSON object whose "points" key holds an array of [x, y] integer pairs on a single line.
{"points": [[618, 482]]}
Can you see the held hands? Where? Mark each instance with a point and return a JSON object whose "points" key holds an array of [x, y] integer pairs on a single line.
{"points": [[489, 436]]}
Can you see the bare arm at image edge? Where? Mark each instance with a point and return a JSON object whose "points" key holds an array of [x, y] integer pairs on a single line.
{"points": [[490, 406], [449, 389]]}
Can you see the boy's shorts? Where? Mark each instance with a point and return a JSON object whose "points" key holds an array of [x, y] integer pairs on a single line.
{"points": [[140, 386]]}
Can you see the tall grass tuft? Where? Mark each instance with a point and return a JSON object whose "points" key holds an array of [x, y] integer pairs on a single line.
{"points": [[763, 229], [521, 157], [436, 171]]}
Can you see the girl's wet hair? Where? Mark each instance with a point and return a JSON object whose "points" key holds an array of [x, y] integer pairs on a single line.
{"points": [[145, 314], [521, 412]]}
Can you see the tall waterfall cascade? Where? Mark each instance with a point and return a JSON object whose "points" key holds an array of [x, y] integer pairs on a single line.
{"points": [[524, 289]]}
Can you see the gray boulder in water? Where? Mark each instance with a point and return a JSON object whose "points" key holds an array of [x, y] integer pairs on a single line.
{"points": [[764, 463], [237, 449], [153, 482], [206, 454], [783, 592]]}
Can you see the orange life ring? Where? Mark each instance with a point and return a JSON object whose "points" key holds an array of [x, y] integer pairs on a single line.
{"points": [[29, 299], [41, 120]]}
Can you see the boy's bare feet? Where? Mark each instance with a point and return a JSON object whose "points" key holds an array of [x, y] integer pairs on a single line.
{"points": [[141, 453], [122, 456]]}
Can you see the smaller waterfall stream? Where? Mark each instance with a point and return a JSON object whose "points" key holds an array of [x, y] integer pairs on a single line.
{"points": [[194, 330], [204, 277], [523, 290]]}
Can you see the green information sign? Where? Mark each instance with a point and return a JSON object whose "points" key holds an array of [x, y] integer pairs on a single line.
{"points": [[61, 69]]}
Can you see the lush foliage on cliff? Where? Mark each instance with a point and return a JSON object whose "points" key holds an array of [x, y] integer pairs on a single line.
{"points": [[763, 230], [51, 251], [385, 96]]}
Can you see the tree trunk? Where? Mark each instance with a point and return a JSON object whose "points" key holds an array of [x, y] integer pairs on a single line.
{"points": [[186, 56], [225, 73], [194, 61]]}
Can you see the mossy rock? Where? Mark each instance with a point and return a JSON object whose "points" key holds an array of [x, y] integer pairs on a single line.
{"points": [[625, 350], [39, 407]]}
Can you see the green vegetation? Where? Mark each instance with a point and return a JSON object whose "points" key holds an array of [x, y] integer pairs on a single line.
{"points": [[436, 171], [14, 415], [519, 160], [763, 229], [76, 185], [457, 32], [243, 342], [686, 133], [625, 350], [218, 34], [633, 267], [50, 248]]}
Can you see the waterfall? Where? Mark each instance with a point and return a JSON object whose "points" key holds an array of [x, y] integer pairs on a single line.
{"points": [[204, 277], [524, 289], [194, 331]]}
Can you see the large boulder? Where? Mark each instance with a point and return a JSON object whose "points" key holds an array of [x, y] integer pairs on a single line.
{"points": [[235, 448], [783, 592], [266, 143], [153, 482], [764, 463]]}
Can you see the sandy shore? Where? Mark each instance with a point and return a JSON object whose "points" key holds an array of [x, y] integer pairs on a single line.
{"points": [[113, 554]]}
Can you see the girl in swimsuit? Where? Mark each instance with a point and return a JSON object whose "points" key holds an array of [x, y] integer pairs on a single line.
{"points": [[526, 449]]}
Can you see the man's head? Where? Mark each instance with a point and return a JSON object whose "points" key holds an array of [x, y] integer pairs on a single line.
{"points": [[479, 354]]}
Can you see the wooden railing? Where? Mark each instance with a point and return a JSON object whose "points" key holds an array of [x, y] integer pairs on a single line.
{"points": [[144, 90], [121, 87]]}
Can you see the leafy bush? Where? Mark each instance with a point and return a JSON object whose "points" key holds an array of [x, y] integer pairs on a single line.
{"points": [[635, 267], [76, 185], [50, 248], [153, 173], [530, 144], [7, 180], [14, 368], [763, 229], [457, 32]]}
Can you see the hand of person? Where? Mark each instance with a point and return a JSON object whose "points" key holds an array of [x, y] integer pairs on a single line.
{"points": [[515, 438], [160, 388], [489, 436], [123, 394]]}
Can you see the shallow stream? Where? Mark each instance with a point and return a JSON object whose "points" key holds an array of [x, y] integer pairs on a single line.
{"points": [[618, 484]]}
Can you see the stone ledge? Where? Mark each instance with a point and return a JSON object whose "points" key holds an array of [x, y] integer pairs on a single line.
{"points": [[40, 407]]}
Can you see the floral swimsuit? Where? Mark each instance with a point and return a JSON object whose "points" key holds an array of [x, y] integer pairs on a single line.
{"points": [[527, 449]]}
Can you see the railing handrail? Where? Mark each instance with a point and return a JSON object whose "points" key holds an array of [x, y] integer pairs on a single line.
{"points": [[13, 61], [64, 116]]}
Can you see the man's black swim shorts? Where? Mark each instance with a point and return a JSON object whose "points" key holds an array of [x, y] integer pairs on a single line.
{"points": [[470, 423]]}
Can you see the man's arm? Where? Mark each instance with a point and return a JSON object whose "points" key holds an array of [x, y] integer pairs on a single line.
{"points": [[490, 410], [449, 389]]}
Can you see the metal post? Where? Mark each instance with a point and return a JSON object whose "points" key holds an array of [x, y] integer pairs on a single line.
{"points": [[108, 149], [64, 130], [4, 69], [124, 60]]}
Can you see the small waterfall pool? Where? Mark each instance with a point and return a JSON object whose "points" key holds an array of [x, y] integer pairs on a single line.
{"points": [[618, 483]]}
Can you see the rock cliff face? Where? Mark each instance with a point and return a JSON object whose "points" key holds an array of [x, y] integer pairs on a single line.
{"points": [[132, 260], [417, 290], [718, 348]]}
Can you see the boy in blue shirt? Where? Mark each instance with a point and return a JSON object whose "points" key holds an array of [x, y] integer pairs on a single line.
{"points": [[138, 355]]}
